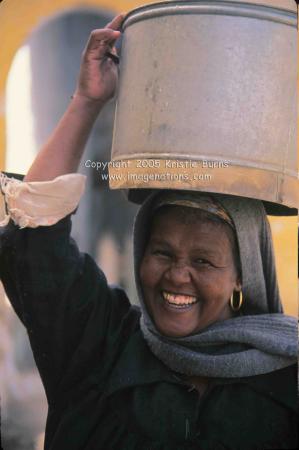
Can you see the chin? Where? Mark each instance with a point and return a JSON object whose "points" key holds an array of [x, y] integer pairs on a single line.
{"points": [[175, 323], [175, 330]]}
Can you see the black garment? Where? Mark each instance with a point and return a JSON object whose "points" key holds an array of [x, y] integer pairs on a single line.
{"points": [[105, 389]]}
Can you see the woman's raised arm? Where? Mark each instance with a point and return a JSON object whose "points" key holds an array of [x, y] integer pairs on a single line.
{"points": [[60, 294], [96, 84]]}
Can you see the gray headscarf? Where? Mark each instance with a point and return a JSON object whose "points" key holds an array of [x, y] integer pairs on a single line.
{"points": [[260, 341]]}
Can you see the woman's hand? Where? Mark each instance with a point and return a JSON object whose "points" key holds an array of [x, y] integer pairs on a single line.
{"points": [[98, 73]]}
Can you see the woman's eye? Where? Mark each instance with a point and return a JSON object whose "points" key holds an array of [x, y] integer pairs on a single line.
{"points": [[160, 252], [202, 262]]}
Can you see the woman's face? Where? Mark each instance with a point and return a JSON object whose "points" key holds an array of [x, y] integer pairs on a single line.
{"points": [[187, 273]]}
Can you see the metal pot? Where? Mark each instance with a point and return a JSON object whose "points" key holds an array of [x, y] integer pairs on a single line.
{"points": [[208, 99]]}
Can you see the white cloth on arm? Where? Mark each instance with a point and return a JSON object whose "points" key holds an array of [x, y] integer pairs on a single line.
{"points": [[40, 203]]}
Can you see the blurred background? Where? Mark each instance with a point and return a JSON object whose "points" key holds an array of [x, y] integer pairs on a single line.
{"points": [[40, 50]]}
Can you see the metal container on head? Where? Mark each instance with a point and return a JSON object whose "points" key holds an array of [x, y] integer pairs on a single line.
{"points": [[208, 99]]}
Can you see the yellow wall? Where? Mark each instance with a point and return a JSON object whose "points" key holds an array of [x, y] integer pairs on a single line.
{"points": [[19, 17], [284, 232]]}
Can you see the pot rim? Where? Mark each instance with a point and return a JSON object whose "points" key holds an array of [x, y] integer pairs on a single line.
{"points": [[284, 11]]}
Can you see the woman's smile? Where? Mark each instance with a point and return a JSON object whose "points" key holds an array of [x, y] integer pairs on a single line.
{"points": [[188, 272], [179, 301]]}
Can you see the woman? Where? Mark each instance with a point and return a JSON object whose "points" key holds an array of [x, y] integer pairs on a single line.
{"points": [[202, 365]]}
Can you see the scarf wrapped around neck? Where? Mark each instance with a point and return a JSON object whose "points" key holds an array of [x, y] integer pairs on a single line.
{"points": [[260, 341]]}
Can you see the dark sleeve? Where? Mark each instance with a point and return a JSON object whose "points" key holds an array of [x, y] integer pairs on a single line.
{"points": [[63, 300]]}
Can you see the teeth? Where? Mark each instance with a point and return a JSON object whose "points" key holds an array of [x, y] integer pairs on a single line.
{"points": [[177, 299]]}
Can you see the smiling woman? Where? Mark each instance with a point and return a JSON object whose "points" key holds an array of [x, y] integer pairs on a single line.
{"points": [[204, 268], [198, 365], [188, 272]]}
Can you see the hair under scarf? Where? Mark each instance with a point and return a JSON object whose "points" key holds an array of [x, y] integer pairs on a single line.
{"points": [[260, 341]]}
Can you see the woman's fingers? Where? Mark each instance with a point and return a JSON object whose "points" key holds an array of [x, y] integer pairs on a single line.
{"points": [[101, 38], [115, 23]]}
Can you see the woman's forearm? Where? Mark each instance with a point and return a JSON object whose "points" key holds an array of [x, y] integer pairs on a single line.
{"points": [[96, 84], [64, 149]]}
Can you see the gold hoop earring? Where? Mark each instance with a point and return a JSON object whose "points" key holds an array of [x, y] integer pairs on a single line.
{"points": [[232, 301]]}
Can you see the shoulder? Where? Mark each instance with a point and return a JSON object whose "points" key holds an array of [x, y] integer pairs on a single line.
{"points": [[124, 306], [264, 407], [123, 318], [280, 386]]}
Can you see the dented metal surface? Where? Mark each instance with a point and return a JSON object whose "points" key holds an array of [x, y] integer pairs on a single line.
{"points": [[212, 80]]}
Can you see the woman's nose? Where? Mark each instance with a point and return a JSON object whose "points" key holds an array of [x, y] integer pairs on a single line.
{"points": [[178, 274]]}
